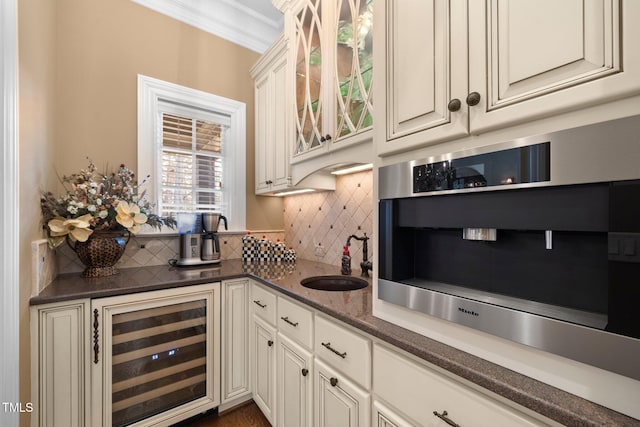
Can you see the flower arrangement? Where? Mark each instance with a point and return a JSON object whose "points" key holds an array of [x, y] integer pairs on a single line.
{"points": [[97, 201]]}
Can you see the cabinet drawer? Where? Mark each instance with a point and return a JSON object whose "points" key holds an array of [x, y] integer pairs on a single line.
{"points": [[418, 392], [346, 351], [263, 303], [295, 321]]}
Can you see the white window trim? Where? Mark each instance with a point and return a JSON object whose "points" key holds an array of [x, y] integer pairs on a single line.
{"points": [[150, 92]]}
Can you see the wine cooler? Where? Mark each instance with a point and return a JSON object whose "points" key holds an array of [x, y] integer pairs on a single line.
{"points": [[155, 356]]}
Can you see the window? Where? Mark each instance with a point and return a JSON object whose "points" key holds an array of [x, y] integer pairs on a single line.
{"points": [[192, 146]]}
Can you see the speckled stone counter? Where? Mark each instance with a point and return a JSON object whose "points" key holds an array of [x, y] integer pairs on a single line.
{"points": [[354, 308]]}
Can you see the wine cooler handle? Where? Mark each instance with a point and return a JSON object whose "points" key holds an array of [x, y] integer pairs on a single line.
{"points": [[96, 345]]}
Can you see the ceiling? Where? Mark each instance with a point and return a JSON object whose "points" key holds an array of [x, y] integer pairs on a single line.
{"points": [[254, 24]]}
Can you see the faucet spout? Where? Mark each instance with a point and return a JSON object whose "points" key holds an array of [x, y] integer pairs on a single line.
{"points": [[366, 265]]}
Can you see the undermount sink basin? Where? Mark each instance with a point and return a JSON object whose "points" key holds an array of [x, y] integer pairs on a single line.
{"points": [[334, 283]]}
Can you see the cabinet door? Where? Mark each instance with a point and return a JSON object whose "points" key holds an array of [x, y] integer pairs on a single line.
{"points": [[263, 138], [383, 416], [308, 53], [235, 338], [338, 401], [281, 124], [534, 59], [294, 384], [264, 367], [425, 53], [60, 353], [351, 37]]}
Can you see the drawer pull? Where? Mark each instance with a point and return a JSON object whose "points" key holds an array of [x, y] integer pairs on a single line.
{"points": [[305, 372], [286, 319], [327, 345], [259, 304], [444, 417], [333, 381]]}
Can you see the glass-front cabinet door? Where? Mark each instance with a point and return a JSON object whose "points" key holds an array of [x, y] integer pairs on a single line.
{"points": [[333, 71], [308, 76], [353, 66]]}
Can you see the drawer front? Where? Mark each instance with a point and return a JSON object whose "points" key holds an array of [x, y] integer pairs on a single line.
{"points": [[344, 350], [420, 392], [295, 321], [263, 303]]}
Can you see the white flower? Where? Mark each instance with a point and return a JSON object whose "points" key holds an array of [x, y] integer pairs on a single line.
{"points": [[103, 214], [91, 208], [129, 216], [77, 229], [72, 209], [99, 202]]}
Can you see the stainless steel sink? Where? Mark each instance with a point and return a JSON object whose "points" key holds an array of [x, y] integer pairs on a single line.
{"points": [[334, 283]]}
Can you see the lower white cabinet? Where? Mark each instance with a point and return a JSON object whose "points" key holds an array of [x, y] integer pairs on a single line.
{"points": [[60, 364], [431, 398], [294, 384], [235, 341], [263, 366], [339, 402], [383, 416]]}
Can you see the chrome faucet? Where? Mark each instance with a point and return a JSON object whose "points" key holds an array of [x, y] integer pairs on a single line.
{"points": [[366, 265]]}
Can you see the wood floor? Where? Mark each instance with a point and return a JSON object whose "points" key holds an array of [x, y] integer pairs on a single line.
{"points": [[246, 415]]}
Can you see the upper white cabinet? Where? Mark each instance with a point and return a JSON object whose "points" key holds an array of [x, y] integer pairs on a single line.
{"points": [[332, 61], [454, 68], [272, 137]]}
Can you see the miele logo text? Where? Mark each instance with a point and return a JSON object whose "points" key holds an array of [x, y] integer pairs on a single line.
{"points": [[465, 311]]}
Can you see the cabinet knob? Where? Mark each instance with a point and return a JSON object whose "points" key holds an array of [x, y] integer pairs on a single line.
{"points": [[305, 372], [454, 105], [473, 99], [325, 138], [333, 381], [270, 343]]}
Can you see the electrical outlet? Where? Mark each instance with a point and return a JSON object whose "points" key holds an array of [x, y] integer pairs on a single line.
{"points": [[43, 265], [320, 252]]}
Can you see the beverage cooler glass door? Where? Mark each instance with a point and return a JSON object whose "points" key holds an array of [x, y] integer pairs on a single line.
{"points": [[155, 356]]}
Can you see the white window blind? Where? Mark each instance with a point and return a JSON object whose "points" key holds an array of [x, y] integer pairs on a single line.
{"points": [[192, 160]]}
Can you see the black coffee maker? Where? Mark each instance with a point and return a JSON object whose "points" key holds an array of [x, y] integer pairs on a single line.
{"points": [[210, 250]]}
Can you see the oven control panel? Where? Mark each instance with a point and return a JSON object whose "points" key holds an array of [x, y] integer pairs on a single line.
{"points": [[512, 166]]}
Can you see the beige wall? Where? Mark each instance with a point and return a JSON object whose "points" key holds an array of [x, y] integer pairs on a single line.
{"points": [[78, 65], [36, 134]]}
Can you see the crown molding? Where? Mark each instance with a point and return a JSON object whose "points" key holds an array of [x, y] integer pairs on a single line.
{"points": [[227, 19]]}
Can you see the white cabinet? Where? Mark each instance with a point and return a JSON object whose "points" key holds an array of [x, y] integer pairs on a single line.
{"points": [[384, 416], [263, 349], [235, 341], [294, 384], [430, 398], [331, 59], [458, 68], [263, 367], [273, 136], [339, 402], [60, 364], [155, 356]]}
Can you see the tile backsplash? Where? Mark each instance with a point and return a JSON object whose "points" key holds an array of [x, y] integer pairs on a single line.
{"points": [[317, 225], [158, 250]]}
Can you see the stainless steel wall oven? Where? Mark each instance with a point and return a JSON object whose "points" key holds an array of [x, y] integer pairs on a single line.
{"points": [[536, 240]]}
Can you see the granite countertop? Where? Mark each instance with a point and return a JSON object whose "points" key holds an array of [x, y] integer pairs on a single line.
{"points": [[354, 308]]}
